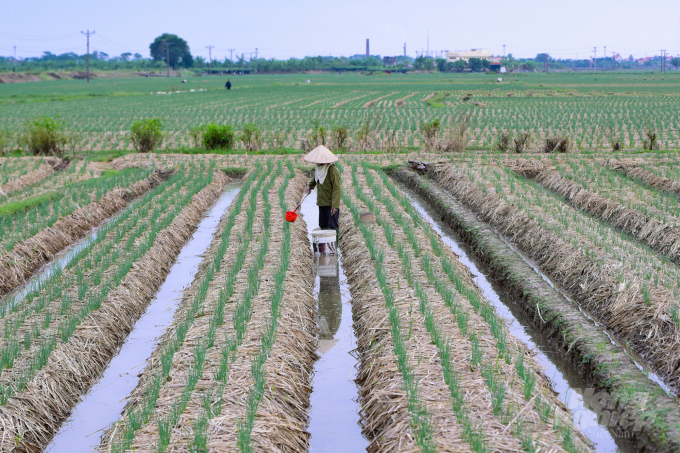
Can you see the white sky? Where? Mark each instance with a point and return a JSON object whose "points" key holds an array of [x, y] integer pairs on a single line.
{"points": [[297, 28]]}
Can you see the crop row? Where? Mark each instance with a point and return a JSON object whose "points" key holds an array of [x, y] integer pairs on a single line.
{"points": [[434, 310], [63, 331], [205, 383], [629, 288]]}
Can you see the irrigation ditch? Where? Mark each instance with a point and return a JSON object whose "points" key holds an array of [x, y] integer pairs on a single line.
{"points": [[623, 397], [334, 412]]}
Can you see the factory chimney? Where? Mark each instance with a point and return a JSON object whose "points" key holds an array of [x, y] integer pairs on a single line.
{"points": [[368, 53]]}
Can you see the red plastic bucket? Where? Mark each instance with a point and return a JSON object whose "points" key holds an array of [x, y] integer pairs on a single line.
{"points": [[291, 216]]}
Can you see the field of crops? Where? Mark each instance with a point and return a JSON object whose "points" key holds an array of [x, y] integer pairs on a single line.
{"points": [[594, 110], [86, 248]]}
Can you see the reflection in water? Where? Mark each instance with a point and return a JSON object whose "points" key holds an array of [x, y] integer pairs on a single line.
{"points": [[330, 301]]}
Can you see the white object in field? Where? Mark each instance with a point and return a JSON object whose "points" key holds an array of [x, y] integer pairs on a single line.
{"points": [[326, 237], [308, 81], [499, 80], [503, 70]]}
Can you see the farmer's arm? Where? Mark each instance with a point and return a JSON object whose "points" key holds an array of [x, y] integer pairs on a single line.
{"points": [[337, 188]]}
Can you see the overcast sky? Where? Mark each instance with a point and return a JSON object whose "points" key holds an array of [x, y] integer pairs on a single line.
{"points": [[297, 28]]}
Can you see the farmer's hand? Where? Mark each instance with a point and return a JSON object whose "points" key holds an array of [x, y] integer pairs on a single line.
{"points": [[308, 190], [334, 211]]}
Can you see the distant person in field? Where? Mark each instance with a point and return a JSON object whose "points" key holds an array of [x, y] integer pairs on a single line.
{"points": [[326, 179], [228, 85]]}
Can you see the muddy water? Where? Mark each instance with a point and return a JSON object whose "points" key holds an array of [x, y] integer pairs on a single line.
{"points": [[334, 414], [106, 400], [566, 380]]}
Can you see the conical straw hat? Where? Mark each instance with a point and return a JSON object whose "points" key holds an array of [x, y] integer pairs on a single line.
{"points": [[321, 155]]}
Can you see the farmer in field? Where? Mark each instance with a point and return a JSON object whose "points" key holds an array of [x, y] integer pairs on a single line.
{"points": [[228, 85], [326, 179]]}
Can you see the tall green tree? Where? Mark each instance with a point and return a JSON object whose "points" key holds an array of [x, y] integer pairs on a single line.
{"points": [[179, 50]]}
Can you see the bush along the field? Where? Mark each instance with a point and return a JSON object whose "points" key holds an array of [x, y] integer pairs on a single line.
{"points": [[147, 135], [251, 137], [339, 136], [559, 144], [44, 136], [218, 136], [503, 142], [651, 141], [429, 131]]}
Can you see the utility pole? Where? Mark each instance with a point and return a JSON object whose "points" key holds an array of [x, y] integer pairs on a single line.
{"points": [[595, 58], [210, 48], [503, 50], [663, 60], [545, 62], [605, 56], [256, 60], [231, 53], [404, 49], [15, 58], [88, 34], [167, 57]]}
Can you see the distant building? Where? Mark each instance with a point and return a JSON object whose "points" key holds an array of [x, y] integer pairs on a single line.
{"points": [[390, 61], [482, 54], [495, 64]]}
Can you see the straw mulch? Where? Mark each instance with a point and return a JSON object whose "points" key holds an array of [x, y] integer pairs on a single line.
{"points": [[183, 358], [477, 396], [43, 172], [17, 265], [659, 236], [283, 415], [32, 417], [620, 306], [384, 406], [630, 168]]}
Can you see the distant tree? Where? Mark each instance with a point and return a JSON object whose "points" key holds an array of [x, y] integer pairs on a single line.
{"points": [[125, 56], [423, 62], [178, 49], [138, 56], [441, 64], [676, 62], [542, 58], [476, 64], [529, 65], [103, 56], [200, 62], [458, 66]]}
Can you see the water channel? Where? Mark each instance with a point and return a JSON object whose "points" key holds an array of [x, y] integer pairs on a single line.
{"points": [[566, 379], [104, 403], [334, 417]]}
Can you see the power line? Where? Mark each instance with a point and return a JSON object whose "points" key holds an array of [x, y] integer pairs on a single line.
{"points": [[88, 34]]}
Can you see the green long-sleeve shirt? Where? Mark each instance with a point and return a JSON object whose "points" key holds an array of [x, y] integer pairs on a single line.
{"points": [[328, 193]]}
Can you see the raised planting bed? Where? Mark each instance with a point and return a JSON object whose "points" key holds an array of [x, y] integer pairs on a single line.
{"points": [[627, 287], [617, 385], [58, 337], [438, 368], [61, 218], [233, 371]]}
